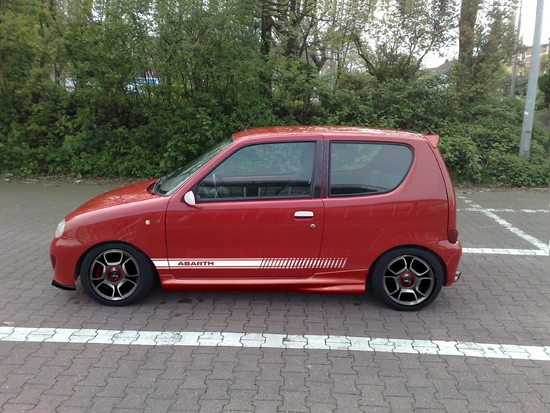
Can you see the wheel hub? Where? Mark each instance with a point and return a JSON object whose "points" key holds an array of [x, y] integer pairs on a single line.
{"points": [[114, 274], [407, 279]]}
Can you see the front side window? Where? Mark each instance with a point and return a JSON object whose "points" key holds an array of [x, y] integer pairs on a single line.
{"points": [[264, 170], [358, 168]]}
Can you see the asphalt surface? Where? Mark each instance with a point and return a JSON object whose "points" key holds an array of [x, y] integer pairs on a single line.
{"points": [[482, 346]]}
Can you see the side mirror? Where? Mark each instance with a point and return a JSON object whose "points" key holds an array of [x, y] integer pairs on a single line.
{"points": [[189, 198]]}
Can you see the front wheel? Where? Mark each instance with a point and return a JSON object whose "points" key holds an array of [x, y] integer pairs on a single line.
{"points": [[407, 278], [116, 274]]}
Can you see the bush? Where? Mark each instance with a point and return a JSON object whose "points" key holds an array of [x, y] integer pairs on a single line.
{"points": [[462, 157], [513, 171]]}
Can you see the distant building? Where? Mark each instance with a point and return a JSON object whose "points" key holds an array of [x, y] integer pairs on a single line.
{"points": [[523, 56], [444, 67]]}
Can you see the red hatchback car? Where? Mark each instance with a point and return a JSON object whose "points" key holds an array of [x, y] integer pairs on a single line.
{"points": [[302, 209]]}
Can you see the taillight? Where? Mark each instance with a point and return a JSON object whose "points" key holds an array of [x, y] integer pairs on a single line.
{"points": [[452, 236]]}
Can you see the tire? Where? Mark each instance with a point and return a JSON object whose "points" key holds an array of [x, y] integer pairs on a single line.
{"points": [[407, 279], [117, 274]]}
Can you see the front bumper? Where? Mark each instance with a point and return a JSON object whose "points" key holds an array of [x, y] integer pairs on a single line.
{"points": [[63, 286], [65, 254]]}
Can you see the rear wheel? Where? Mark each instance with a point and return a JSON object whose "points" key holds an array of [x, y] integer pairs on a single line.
{"points": [[407, 278], [116, 274]]}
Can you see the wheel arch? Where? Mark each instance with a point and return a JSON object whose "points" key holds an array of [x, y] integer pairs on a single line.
{"points": [[420, 247], [80, 260]]}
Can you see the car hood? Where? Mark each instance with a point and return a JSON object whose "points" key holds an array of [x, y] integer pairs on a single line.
{"points": [[120, 196]]}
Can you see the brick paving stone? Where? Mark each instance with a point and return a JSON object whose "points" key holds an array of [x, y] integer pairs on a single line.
{"points": [[347, 402], [505, 407], [216, 390], [17, 408], [48, 403], [345, 383], [266, 406], [29, 395], [271, 373], [294, 382], [224, 371], [63, 385], [188, 399], [321, 393], [373, 395], [243, 382], [105, 404], [446, 390], [241, 401], [501, 299], [401, 403], [158, 405], [424, 398], [83, 396], [320, 407], [268, 391], [294, 401], [212, 405], [195, 380], [115, 387], [374, 409]]}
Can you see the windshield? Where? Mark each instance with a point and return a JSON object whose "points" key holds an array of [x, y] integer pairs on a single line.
{"points": [[168, 184]]}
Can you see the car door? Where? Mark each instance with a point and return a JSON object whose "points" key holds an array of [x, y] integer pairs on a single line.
{"points": [[255, 216]]}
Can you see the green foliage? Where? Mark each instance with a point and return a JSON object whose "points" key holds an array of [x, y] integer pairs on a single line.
{"points": [[461, 156], [70, 104], [486, 40], [544, 87], [511, 170]]}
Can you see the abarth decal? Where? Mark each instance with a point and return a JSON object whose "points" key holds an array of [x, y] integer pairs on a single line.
{"points": [[251, 263]]}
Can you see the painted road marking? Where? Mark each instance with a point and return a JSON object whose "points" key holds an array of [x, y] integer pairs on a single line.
{"points": [[528, 211], [543, 249], [277, 341], [505, 251]]}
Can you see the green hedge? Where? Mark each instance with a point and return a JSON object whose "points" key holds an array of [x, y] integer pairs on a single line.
{"points": [[216, 77]]}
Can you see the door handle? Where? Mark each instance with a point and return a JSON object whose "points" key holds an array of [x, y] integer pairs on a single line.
{"points": [[303, 214]]}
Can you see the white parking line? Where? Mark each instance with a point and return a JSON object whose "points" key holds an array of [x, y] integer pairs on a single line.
{"points": [[543, 249], [528, 211], [277, 341], [505, 251]]}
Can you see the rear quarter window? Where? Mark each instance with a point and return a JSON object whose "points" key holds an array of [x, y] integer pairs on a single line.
{"points": [[359, 168]]}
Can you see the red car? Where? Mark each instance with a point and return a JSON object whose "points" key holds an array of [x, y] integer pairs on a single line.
{"points": [[302, 209]]}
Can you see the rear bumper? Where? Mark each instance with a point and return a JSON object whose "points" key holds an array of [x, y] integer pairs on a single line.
{"points": [[450, 254], [457, 275]]}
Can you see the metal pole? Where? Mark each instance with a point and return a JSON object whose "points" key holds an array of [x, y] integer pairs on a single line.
{"points": [[528, 114]]}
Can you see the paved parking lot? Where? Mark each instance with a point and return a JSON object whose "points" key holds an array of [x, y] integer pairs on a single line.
{"points": [[482, 346]]}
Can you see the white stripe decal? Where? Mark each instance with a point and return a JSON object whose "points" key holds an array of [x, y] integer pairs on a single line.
{"points": [[251, 263], [161, 264], [278, 341]]}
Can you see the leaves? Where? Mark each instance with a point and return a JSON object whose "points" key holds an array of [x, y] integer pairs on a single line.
{"points": [[139, 87]]}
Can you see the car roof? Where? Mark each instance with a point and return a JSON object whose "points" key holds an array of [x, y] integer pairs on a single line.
{"points": [[330, 131]]}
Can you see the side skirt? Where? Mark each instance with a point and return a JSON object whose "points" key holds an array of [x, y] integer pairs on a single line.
{"points": [[337, 282]]}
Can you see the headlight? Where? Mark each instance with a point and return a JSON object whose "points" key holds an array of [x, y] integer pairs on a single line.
{"points": [[60, 228]]}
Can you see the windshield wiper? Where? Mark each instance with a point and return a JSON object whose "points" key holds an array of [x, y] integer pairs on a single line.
{"points": [[158, 183]]}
